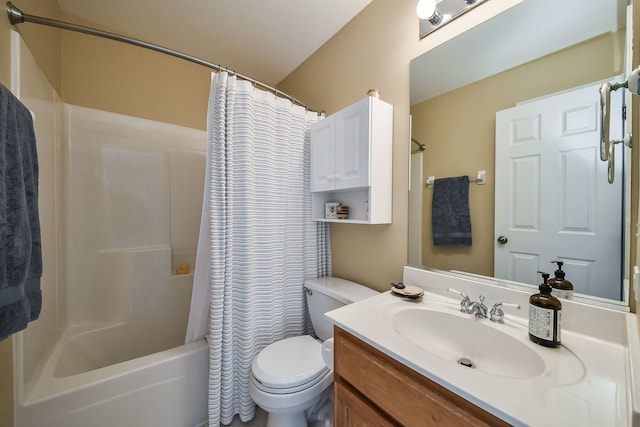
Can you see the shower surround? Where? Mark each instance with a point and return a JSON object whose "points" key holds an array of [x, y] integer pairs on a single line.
{"points": [[120, 203]]}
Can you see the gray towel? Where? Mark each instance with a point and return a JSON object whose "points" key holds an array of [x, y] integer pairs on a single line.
{"points": [[450, 217], [20, 246]]}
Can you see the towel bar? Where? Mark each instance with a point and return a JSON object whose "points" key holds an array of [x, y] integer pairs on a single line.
{"points": [[480, 179]]}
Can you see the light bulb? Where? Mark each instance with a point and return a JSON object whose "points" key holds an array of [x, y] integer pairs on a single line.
{"points": [[426, 9]]}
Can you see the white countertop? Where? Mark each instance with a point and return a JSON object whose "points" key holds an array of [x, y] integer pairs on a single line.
{"points": [[594, 394]]}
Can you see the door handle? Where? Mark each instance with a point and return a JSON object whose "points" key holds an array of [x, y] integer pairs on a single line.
{"points": [[502, 240], [605, 99]]}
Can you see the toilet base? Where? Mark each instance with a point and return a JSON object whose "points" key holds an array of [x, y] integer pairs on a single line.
{"points": [[287, 419], [291, 410]]}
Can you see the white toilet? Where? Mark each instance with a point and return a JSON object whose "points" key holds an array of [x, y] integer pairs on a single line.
{"points": [[288, 377]]}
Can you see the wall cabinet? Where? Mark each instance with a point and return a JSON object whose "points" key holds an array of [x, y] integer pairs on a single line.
{"points": [[373, 389], [351, 162]]}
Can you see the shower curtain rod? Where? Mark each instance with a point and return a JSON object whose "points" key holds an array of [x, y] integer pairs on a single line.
{"points": [[420, 145], [16, 16]]}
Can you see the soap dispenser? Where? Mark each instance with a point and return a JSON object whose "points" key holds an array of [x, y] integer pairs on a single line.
{"points": [[561, 287], [544, 315]]}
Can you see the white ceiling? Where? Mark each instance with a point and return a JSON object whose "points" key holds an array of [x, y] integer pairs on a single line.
{"points": [[263, 39]]}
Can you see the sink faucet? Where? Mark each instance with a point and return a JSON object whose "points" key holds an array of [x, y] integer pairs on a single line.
{"points": [[464, 304], [478, 308], [497, 315]]}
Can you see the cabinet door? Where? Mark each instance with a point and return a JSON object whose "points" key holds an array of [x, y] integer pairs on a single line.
{"points": [[322, 166], [403, 395], [352, 146], [352, 411]]}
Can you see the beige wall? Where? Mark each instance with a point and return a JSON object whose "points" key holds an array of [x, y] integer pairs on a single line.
{"points": [[44, 43], [6, 382], [372, 51], [455, 149], [6, 346], [120, 78]]}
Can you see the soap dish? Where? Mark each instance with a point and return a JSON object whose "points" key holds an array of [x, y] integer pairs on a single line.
{"points": [[413, 292]]}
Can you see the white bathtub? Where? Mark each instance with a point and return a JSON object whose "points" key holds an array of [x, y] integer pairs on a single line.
{"points": [[140, 182], [164, 389]]}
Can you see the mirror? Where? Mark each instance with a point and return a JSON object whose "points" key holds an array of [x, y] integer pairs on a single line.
{"points": [[524, 54]]}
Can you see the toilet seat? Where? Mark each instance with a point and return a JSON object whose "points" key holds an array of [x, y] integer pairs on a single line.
{"points": [[289, 365]]}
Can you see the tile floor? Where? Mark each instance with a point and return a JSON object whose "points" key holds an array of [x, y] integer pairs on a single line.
{"points": [[260, 420]]}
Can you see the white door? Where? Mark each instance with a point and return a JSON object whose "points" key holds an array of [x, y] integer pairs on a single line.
{"points": [[352, 145], [553, 200], [322, 168]]}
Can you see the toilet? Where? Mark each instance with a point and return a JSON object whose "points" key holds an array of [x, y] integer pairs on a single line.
{"points": [[290, 376]]}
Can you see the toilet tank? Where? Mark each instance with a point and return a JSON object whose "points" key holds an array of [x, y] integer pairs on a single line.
{"points": [[328, 293]]}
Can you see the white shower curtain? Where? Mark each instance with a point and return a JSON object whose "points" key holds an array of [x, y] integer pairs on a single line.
{"points": [[258, 242]]}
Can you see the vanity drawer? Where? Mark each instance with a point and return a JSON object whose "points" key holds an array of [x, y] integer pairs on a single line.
{"points": [[408, 398]]}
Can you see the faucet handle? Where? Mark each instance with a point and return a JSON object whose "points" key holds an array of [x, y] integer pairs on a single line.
{"points": [[480, 310], [497, 315], [464, 304]]}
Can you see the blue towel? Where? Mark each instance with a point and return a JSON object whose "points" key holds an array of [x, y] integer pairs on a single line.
{"points": [[450, 218], [20, 245]]}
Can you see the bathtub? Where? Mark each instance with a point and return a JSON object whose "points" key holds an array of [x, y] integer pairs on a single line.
{"points": [[107, 349], [163, 389]]}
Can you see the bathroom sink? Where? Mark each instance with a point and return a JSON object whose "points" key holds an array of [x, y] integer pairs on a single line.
{"points": [[471, 342]]}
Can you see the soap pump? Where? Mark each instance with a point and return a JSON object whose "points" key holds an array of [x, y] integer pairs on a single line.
{"points": [[544, 315], [562, 288]]}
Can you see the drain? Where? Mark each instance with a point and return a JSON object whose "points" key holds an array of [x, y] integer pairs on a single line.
{"points": [[466, 362]]}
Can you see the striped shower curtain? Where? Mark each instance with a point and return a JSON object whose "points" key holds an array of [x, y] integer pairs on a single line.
{"points": [[258, 242]]}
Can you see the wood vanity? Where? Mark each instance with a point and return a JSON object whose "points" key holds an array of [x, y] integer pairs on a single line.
{"points": [[372, 389], [395, 362]]}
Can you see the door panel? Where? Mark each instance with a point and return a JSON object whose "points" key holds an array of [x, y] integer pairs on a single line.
{"points": [[323, 155], [553, 201], [352, 146]]}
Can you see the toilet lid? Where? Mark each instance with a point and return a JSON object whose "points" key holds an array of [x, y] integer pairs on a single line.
{"points": [[290, 362]]}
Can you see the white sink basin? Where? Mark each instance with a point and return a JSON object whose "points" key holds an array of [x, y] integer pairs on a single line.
{"points": [[479, 345], [468, 340]]}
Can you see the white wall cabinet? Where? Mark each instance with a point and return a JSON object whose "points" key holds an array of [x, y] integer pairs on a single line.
{"points": [[351, 162]]}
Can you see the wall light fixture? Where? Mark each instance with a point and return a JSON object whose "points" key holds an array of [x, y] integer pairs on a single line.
{"points": [[434, 14]]}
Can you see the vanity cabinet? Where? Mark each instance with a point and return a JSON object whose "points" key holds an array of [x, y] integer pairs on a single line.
{"points": [[372, 389], [351, 162]]}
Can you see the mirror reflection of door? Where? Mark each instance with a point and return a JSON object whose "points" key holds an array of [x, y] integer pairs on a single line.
{"points": [[416, 190], [549, 146]]}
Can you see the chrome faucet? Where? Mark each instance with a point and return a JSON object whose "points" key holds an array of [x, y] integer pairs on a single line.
{"points": [[478, 308], [497, 315], [464, 304]]}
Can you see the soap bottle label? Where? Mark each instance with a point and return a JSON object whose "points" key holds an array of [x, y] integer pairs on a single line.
{"points": [[562, 294], [542, 323]]}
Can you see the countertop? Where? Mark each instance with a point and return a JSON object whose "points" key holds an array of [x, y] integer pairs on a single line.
{"points": [[596, 391]]}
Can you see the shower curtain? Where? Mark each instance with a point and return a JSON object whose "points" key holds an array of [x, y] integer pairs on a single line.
{"points": [[258, 242]]}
